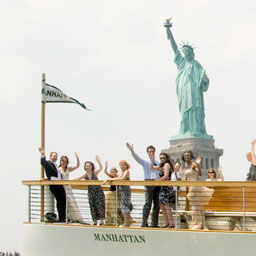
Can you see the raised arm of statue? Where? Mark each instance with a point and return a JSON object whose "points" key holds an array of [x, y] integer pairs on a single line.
{"points": [[172, 41]]}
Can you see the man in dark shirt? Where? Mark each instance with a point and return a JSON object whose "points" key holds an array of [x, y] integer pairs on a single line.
{"points": [[53, 173]]}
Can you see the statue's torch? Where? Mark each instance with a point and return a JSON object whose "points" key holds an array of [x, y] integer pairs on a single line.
{"points": [[167, 25]]}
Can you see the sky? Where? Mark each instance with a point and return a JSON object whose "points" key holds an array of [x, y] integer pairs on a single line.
{"points": [[115, 58]]}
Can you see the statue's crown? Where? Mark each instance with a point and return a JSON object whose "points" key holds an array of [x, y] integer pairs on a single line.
{"points": [[187, 45]]}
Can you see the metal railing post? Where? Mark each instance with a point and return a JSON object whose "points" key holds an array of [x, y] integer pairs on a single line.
{"points": [[116, 205], [243, 189], [66, 210], [42, 204], [29, 203], [176, 206]]}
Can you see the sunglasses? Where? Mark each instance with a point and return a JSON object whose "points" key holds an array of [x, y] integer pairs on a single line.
{"points": [[210, 172]]}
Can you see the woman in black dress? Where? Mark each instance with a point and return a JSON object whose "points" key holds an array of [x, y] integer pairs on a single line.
{"points": [[165, 169], [95, 193]]}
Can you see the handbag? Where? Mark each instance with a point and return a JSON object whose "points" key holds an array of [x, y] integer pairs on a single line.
{"points": [[50, 217]]}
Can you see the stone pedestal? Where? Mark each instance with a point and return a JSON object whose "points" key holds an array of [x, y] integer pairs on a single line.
{"points": [[203, 148]]}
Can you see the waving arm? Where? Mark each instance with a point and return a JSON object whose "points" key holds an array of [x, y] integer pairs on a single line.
{"points": [[196, 168], [106, 170], [123, 176], [153, 167], [77, 163], [167, 168], [220, 173], [80, 178], [253, 156], [100, 166]]}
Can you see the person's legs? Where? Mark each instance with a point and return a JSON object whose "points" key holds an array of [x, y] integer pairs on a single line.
{"points": [[155, 213], [127, 217], [169, 215], [60, 196], [110, 204], [93, 210], [147, 206], [165, 215], [100, 208]]}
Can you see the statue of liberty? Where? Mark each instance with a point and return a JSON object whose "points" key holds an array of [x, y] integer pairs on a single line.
{"points": [[191, 82]]}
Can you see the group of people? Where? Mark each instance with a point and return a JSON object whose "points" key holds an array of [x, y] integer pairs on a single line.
{"points": [[65, 199], [164, 197], [115, 207]]}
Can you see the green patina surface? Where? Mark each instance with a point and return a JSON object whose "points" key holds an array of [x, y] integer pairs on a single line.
{"points": [[191, 83]]}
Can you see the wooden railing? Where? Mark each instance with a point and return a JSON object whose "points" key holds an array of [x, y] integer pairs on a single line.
{"points": [[229, 196], [143, 183], [233, 199]]}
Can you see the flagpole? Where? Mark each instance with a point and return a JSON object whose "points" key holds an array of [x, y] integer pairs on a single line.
{"points": [[42, 125], [43, 147]]}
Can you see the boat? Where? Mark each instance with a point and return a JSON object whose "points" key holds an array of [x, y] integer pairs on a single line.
{"points": [[230, 217]]}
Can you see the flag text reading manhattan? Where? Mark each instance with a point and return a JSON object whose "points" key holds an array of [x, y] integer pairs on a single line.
{"points": [[52, 94]]}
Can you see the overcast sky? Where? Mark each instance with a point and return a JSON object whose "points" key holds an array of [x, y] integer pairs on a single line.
{"points": [[114, 57]]}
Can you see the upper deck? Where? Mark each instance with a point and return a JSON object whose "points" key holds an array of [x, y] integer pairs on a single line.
{"points": [[230, 198], [230, 217]]}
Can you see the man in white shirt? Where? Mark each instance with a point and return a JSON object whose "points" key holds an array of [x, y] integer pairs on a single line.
{"points": [[151, 192]]}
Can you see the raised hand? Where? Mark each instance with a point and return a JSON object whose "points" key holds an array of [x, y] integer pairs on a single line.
{"points": [[76, 155], [98, 159], [152, 158], [198, 160], [106, 164], [249, 157], [220, 173], [253, 142], [130, 146], [41, 150]]}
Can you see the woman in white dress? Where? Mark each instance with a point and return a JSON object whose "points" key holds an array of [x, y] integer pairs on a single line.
{"points": [[73, 212], [198, 196]]}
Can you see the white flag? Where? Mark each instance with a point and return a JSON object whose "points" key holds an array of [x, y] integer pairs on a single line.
{"points": [[52, 94]]}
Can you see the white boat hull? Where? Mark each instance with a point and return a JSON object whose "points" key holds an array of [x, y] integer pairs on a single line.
{"points": [[66, 240]]}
